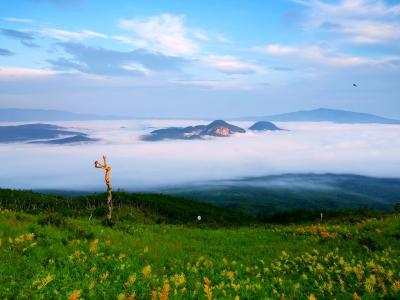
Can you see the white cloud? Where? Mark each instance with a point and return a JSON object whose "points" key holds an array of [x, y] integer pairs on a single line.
{"points": [[276, 49], [223, 39], [313, 55], [200, 34], [136, 67], [164, 33], [12, 73], [371, 32], [129, 41], [352, 8], [227, 84], [17, 20], [65, 35], [359, 21], [231, 65]]}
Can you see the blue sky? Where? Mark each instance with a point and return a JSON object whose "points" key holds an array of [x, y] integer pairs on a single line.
{"points": [[200, 58]]}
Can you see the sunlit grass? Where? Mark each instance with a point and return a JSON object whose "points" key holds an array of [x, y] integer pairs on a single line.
{"points": [[84, 259]]}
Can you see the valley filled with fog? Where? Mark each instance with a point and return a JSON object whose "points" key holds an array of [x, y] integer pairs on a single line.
{"points": [[367, 149]]}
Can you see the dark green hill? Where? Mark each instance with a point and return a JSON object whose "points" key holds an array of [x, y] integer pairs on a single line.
{"points": [[138, 207], [272, 194]]}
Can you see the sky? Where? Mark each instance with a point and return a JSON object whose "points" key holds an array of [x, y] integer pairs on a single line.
{"points": [[200, 59], [365, 149]]}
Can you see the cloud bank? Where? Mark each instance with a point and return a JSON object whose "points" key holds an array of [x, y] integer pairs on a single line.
{"points": [[138, 165], [97, 60]]}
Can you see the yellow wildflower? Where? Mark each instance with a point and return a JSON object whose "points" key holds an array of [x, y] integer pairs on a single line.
{"points": [[236, 287], [356, 297], [93, 246], [179, 279], [208, 292], [25, 237], [74, 295], [45, 281], [319, 268], [312, 297], [153, 295], [105, 275], [146, 271], [206, 281], [230, 275], [165, 291], [396, 286], [370, 283], [121, 296], [77, 254], [131, 280]]}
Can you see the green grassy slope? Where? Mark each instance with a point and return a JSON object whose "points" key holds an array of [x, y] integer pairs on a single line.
{"points": [[64, 251]]}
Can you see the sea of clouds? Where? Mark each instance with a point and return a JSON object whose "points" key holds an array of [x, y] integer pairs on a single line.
{"points": [[366, 149]]}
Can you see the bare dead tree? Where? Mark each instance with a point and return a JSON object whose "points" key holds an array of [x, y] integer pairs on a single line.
{"points": [[107, 168]]}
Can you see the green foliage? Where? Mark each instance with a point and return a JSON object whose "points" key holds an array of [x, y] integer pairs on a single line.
{"points": [[271, 194], [61, 250], [82, 257], [336, 216], [52, 219], [138, 207]]}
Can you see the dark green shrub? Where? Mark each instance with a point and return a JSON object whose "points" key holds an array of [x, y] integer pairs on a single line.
{"points": [[52, 219], [78, 232], [369, 243], [108, 223], [100, 211]]}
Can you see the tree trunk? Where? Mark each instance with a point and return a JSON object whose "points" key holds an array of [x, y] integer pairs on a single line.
{"points": [[109, 204]]}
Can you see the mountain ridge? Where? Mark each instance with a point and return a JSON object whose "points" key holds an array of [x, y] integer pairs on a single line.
{"points": [[39, 133], [217, 128], [325, 115]]}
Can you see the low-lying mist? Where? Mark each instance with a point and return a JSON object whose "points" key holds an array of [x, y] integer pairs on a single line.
{"points": [[371, 149]]}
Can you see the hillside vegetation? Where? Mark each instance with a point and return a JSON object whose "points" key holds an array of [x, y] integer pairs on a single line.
{"points": [[58, 248], [271, 194]]}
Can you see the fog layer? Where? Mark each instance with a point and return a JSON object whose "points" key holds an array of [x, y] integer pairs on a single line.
{"points": [[371, 149]]}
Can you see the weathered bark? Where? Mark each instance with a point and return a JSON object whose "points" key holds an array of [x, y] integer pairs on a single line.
{"points": [[109, 204], [107, 168]]}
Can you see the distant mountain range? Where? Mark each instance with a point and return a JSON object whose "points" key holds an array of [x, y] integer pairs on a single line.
{"points": [[316, 115], [29, 115], [217, 128], [41, 134], [325, 115]]}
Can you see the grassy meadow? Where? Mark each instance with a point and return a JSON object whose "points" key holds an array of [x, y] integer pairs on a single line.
{"points": [[57, 248]]}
